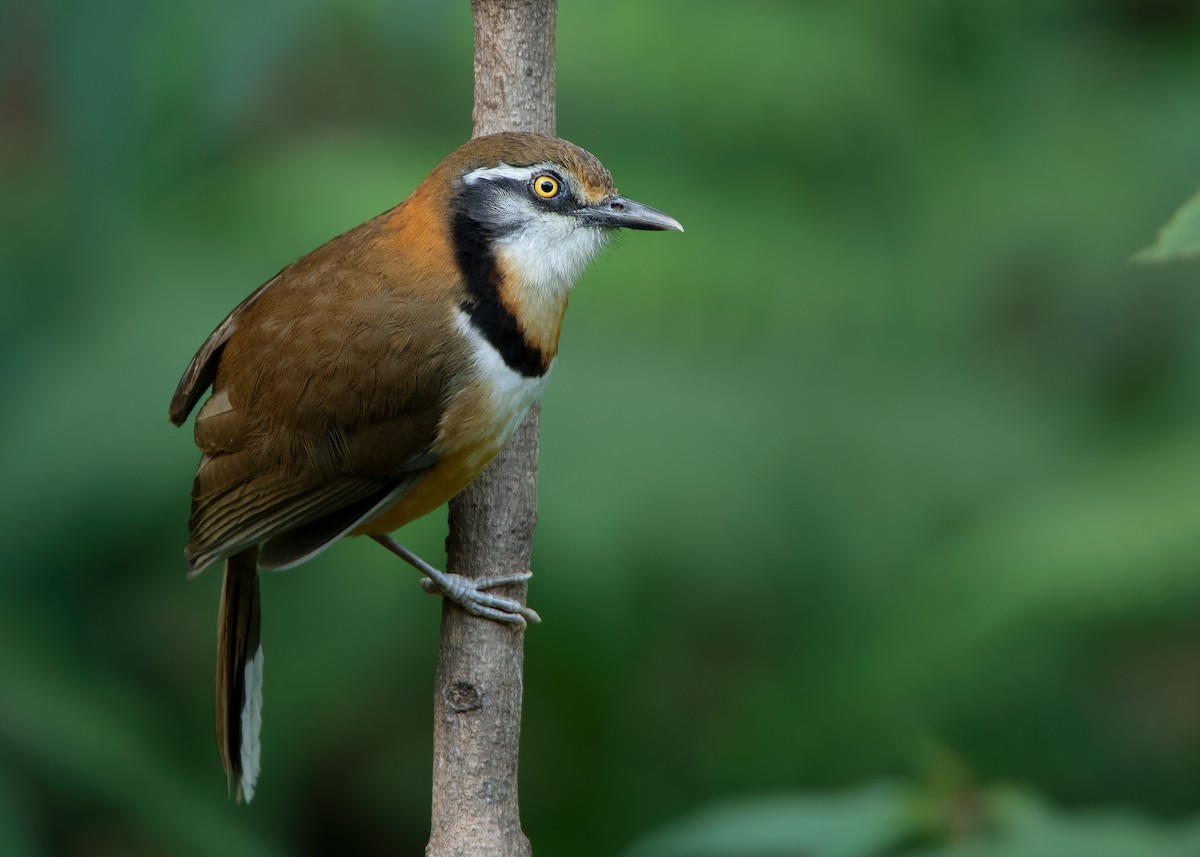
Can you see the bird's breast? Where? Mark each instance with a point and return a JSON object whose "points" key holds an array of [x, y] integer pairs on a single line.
{"points": [[481, 416]]}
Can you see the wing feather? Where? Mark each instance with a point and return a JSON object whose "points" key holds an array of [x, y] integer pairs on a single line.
{"points": [[200, 373], [277, 512], [328, 386], [307, 540]]}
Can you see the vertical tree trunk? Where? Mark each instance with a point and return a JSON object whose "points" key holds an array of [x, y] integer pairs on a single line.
{"points": [[477, 691]]}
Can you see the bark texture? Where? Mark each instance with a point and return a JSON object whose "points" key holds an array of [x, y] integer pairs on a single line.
{"points": [[477, 691]]}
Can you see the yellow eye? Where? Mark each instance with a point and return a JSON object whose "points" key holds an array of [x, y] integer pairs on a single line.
{"points": [[546, 186]]}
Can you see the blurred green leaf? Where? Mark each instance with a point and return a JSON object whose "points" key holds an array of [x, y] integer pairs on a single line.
{"points": [[1179, 239], [1021, 825], [882, 820], [856, 824]]}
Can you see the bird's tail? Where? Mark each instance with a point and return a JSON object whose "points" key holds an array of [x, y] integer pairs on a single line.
{"points": [[239, 673]]}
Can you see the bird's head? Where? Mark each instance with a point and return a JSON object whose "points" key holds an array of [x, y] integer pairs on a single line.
{"points": [[542, 207]]}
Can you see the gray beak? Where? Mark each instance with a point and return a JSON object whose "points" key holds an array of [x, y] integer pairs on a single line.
{"points": [[618, 211]]}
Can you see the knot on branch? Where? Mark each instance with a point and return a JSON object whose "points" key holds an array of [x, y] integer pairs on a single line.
{"points": [[463, 696]]}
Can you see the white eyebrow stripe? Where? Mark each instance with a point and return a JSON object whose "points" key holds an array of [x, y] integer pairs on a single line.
{"points": [[503, 171]]}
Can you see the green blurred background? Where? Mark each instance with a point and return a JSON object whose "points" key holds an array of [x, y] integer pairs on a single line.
{"points": [[868, 507]]}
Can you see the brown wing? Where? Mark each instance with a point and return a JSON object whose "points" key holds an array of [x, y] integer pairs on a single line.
{"points": [[328, 385], [199, 374]]}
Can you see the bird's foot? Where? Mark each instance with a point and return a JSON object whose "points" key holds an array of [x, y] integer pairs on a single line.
{"points": [[470, 594]]}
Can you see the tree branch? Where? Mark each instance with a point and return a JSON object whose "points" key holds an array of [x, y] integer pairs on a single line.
{"points": [[477, 691]]}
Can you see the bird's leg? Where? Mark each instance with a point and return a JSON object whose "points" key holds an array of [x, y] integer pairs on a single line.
{"points": [[465, 591]]}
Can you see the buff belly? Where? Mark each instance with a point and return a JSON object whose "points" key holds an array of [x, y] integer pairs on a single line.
{"points": [[451, 475]]}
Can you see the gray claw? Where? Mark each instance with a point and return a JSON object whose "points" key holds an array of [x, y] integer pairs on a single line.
{"points": [[468, 593], [471, 596]]}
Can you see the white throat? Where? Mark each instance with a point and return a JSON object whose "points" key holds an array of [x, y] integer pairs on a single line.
{"points": [[550, 252]]}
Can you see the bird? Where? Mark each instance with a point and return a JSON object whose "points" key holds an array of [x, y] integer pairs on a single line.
{"points": [[371, 380]]}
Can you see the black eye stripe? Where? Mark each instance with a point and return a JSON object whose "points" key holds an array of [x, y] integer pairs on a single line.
{"points": [[481, 199]]}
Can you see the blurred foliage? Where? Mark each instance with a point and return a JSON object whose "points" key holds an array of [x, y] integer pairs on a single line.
{"points": [[884, 820], [891, 459], [1179, 239]]}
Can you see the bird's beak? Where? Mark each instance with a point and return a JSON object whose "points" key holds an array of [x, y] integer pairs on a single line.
{"points": [[619, 211]]}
